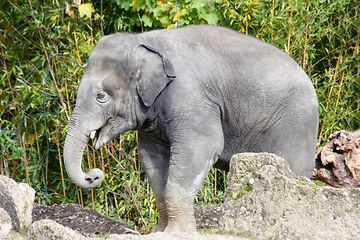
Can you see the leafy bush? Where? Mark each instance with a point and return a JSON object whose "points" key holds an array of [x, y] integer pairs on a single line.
{"points": [[48, 43]]}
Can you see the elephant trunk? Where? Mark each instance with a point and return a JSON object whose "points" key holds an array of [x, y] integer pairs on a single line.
{"points": [[75, 144]]}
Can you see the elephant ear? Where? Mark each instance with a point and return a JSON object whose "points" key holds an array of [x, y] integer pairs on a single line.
{"points": [[154, 73]]}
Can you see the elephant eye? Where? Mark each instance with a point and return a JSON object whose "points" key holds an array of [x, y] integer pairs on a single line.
{"points": [[102, 96]]}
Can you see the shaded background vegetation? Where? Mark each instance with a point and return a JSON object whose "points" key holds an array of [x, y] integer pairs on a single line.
{"points": [[44, 46]]}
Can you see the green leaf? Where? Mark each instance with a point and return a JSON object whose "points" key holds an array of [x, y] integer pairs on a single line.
{"points": [[85, 9], [197, 5], [146, 20], [164, 19], [157, 11], [126, 5], [185, 12], [212, 19]]}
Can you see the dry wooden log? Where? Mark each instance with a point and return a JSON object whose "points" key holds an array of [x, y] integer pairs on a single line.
{"points": [[337, 163]]}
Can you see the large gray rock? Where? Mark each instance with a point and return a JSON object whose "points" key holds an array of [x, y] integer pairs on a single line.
{"points": [[8, 205], [51, 230], [174, 236], [265, 200], [5, 223], [207, 216], [87, 222], [17, 200]]}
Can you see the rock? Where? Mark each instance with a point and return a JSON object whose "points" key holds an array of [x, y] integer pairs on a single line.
{"points": [[19, 198], [207, 216], [87, 222], [8, 205], [174, 236], [338, 161], [5, 223], [49, 229], [265, 200]]}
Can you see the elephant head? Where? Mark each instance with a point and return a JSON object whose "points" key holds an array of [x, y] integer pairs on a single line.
{"points": [[118, 86]]}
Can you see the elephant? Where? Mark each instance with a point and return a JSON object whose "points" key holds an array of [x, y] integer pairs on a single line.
{"points": [[196, 95]]}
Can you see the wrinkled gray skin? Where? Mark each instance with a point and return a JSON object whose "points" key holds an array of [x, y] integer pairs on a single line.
{"points": [[196, 95]]}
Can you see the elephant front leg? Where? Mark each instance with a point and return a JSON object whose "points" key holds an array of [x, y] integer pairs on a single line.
{"points": [[155, 160], [180, 210], [190, 162], [176, 174]]}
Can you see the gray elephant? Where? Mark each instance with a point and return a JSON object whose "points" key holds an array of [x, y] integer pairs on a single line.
{"points": [[197, 95]]}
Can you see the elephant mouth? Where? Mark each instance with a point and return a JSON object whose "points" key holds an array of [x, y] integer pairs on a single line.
{"points": [[112, 129], [94, 135], [101, 136]]}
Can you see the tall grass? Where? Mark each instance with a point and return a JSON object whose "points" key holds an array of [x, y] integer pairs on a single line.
{"points": [[40, 42]]}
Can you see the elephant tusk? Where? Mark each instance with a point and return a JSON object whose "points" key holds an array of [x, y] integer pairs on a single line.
{"points": [[92, 134]]}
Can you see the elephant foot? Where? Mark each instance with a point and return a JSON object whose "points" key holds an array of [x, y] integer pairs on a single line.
{"points": [[160, 227], [180, 228], [176, 226], [181, 223], [180, 215]]}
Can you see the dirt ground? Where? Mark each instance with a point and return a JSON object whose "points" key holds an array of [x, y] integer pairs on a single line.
{"points": [[91, 224]]}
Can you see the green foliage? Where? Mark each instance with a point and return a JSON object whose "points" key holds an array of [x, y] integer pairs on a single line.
{"points": [[149, 14], [8, 138], [302, 182], [319, 183], [50, 42]]}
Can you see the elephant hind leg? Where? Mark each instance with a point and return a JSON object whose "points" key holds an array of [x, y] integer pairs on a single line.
{"points": [[297, 145]]}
